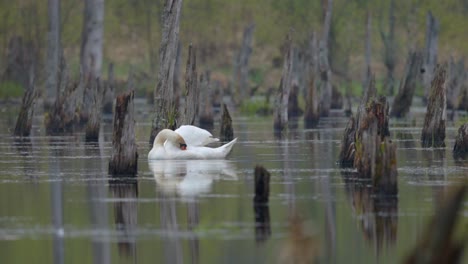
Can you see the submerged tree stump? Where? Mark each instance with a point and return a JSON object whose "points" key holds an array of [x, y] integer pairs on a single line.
{"points": [[192, 93], [24, 121], [460, 149], [433, 133], [260, 203], [206, 104], [402, 102], [227, 132], [124, 155], [262, 185], [94, 118], [347, 144], [282, 98]]}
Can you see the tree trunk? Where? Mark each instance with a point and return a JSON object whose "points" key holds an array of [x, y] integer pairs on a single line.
{"points": [[53, 52], [456, 77], [404, 98], [164, 91], [192, 93], [124, 159], [389, 49], [324, 66], [241, 66], [176, 86], [460, 149], [109, 92], [94, 121], [312, 110], [430, 52], [433, 133], [293, 103], [206, 105], [227, 132], [24, 121], [368, 49], [92, 38], [281, 110]]}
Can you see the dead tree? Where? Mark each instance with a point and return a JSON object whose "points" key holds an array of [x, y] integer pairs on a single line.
{"points": [[456, 78], [433, 133], [109, 91], [94, 119], [92, 38], [402, 102], [227, 132], [206, 106], [165, 114], [124, 158], [293, 103], [368, 53], [460, 149], [281, 110], [192, 93], [64, 115], [389, 42], [240, 80], [323, 63], [430, 52], [312, 110], [24, 121], [53, 52]]}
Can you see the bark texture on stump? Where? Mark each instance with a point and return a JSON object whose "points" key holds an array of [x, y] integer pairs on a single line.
{"points": [[312, 104], [206, 104], [460, 149], [282, 98], [164, 92], [347, 144], [241, 66], [402, 102], [192, 92], [227, 132], [433, 133], [124, 155], [94, 119], [24, 121]]}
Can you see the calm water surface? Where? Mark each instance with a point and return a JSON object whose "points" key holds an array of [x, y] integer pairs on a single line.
{"points": [[58, 205]]}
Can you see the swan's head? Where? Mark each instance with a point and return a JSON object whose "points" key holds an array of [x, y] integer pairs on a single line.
{"points": [[167, 135]]}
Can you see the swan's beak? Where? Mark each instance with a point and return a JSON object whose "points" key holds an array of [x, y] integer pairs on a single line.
{"points": [[183, 146]]}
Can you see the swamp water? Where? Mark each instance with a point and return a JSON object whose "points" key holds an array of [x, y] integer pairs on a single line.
{"points": [[58, 205]]}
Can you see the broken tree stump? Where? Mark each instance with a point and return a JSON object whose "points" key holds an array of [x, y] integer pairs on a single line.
{"points": [[402, 102], [433, 133], [192, 93], [206, 105], [282, 98], [94, 115], [124, 154], [24, 121], [460, 149], [347, 144], [260, 203], [227, 132]]}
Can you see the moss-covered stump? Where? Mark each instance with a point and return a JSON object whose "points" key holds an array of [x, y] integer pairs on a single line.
{"points": [[124, 154], [460, 149], [433, 133]]}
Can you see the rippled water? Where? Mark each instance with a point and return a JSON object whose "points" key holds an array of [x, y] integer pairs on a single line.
{"points": [[58, 205]]}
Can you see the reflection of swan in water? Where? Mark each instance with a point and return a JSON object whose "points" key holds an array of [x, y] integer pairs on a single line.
{"points": [[190, 177]]}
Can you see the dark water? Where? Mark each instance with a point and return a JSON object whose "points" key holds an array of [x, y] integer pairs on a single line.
{"points": [[58, 205]]}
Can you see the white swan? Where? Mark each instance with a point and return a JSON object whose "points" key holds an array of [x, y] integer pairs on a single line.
{"points": [[170, 145]]}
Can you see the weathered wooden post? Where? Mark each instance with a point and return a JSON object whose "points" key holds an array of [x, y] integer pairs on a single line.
{"points": [[402, 102], [433, 133], [282, 98], [24, 121], [206, 104], [460, 149], [94, 118], [165, 114], [240, 79], [124, 159], [227, 132], [312, 110], [260, 203], [192, 92], [430, 52]]}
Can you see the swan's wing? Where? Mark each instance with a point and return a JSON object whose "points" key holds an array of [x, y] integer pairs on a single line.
{"points": [[195, 136]]}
